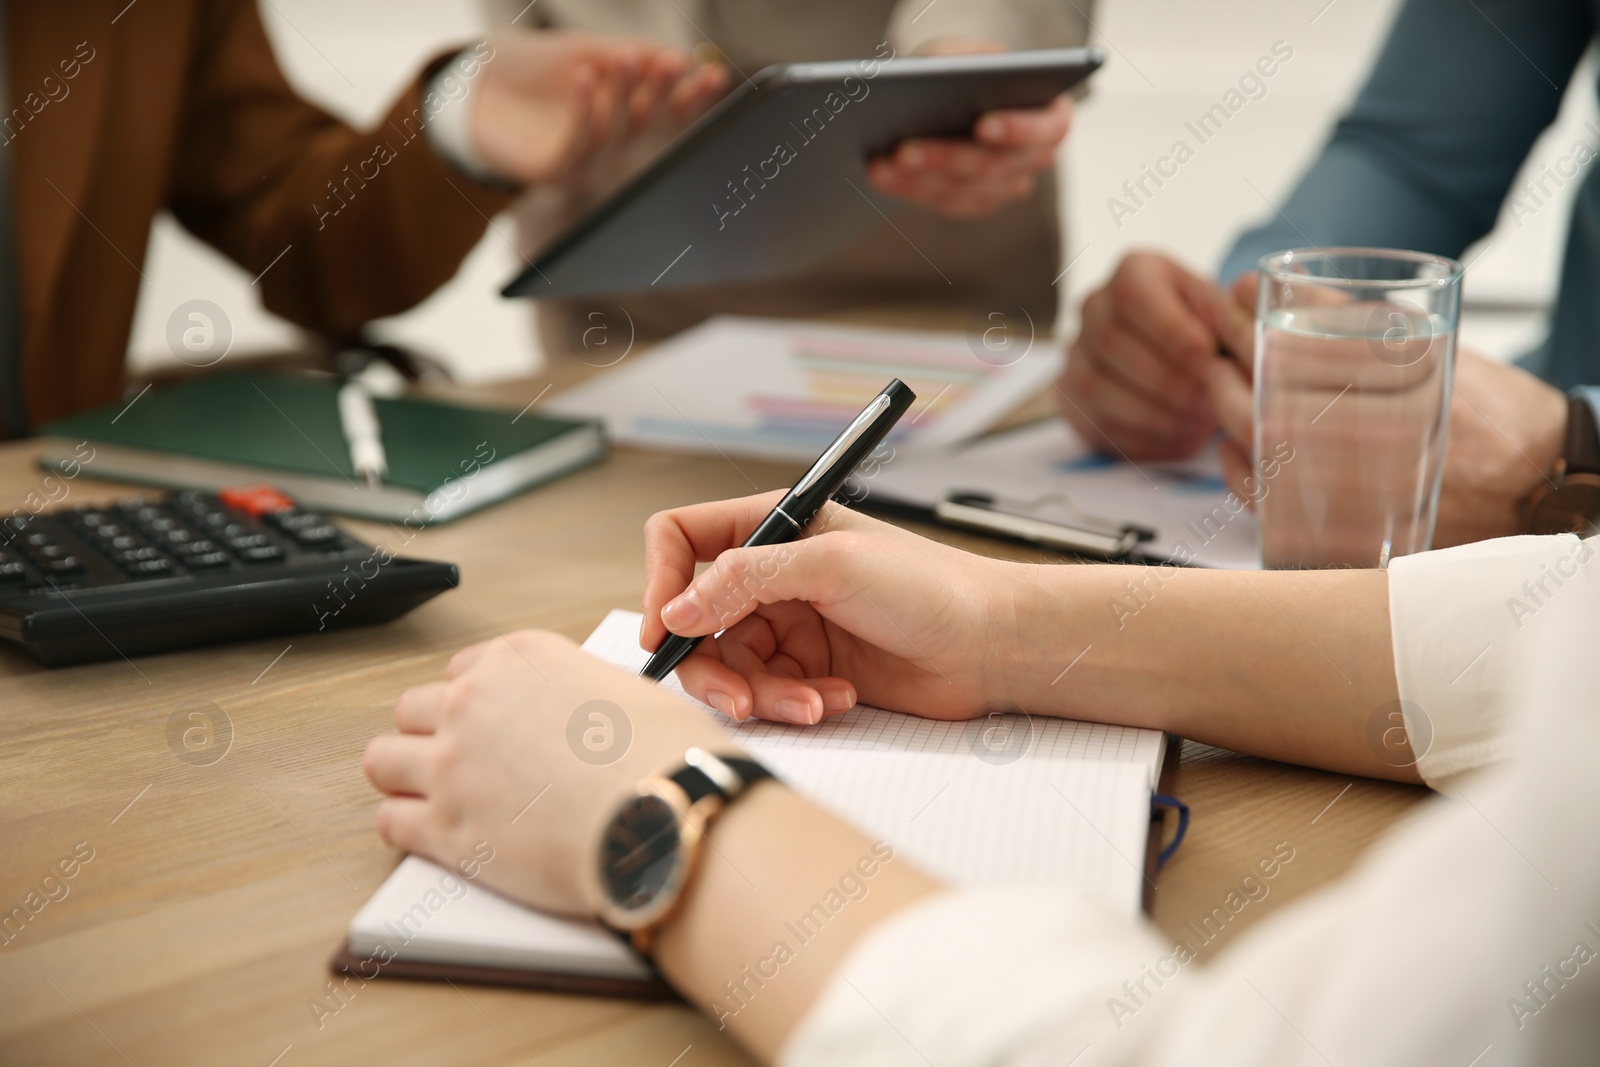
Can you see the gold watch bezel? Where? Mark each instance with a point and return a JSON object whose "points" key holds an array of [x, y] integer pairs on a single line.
{"points": [[692, 819]]}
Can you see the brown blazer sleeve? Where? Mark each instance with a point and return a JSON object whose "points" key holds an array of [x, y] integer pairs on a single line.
{"points": [[347, 226]]}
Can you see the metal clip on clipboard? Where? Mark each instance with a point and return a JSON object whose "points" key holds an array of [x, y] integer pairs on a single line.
{"points": [[1085, 534]]}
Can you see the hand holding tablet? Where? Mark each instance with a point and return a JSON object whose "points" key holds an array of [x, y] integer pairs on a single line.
{"points": [[975, 176], [775, 177]]}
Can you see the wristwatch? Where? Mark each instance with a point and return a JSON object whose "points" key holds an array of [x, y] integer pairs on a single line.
{"points": [[650, 847], [1569, 502]]}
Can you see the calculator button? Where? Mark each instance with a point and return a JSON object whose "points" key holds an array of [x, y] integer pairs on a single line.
{"points": [[149, 568], [64, 565], [255, 500], [198, 547], [297, 520], [261, 554], [140, 555], [12, 570], [317, 535], [125, 542], [207, 560]]}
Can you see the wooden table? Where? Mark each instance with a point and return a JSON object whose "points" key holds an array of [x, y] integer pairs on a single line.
{"points": [[200, 930]]}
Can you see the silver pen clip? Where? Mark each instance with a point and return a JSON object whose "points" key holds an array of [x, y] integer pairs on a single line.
{"points": [[863, 421]]}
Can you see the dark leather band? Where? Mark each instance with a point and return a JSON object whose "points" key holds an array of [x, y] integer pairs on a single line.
{"points": [[697, 784], [1582, 452]]}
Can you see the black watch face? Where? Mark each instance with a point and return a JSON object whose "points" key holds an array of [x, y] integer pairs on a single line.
{"points": [[639, 852]]}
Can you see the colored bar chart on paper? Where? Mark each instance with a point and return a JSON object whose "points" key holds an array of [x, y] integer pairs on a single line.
{"points": [[781, 390]]}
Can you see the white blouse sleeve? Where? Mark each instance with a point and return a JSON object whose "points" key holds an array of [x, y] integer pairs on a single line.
{"points": [[1459, 618], [1469, 936]]}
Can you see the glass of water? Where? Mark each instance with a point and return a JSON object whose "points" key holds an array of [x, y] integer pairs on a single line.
{"points": [[1355, 352]]}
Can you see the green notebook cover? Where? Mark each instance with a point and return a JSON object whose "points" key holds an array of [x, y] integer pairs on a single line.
{"points": [[287, 425]]}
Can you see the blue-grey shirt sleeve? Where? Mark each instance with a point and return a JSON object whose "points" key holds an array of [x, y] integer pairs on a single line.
{"points": [[1426, 154], [1589, 394]]}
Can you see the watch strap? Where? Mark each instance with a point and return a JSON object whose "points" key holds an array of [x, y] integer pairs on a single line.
{"points": [[698, 783], [1581, 454]]}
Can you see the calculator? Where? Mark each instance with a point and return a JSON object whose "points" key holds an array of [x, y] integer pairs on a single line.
{"points": [[193, 568]]}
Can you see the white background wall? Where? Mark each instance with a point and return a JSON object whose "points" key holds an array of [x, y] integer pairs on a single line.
{"points": [[1169, 61]]}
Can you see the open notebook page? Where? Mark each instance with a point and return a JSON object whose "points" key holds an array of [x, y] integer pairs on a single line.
{"points": [[1079, 822], [616, 640], [424, 913], [1074, 824]]}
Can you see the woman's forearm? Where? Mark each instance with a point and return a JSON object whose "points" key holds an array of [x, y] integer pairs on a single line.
{"points": [[783, 892], [1290, 665]]}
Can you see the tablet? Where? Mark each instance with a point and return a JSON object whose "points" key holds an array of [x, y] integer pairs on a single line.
{"points": [[773, 178]]}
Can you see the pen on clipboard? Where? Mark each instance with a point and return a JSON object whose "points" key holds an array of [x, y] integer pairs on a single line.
{"points": [[363, 433]]}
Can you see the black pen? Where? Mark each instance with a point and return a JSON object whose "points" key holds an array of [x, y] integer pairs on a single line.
{"points": [[800, 505]]}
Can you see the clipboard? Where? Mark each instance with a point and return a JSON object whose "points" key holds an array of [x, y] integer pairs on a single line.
{"points": [[1040, 485], [1019, 522], [1087, 534]]}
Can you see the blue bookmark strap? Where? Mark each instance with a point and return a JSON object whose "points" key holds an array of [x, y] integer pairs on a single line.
{"points": [[1161, 800]]}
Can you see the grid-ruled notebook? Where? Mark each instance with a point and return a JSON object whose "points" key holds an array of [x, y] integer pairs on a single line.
{"points": [[616, 640], [1071, 810]]}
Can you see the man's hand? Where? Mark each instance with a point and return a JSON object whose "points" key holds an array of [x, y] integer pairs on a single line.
{"points": [[1135, 381], [973, 179], [1507, 429], [548, 104]]}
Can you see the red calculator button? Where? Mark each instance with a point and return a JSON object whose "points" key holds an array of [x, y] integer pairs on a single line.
{"points": [[255, 500]]}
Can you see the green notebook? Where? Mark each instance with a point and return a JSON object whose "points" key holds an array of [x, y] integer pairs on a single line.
{"points": [[444, 460]]}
